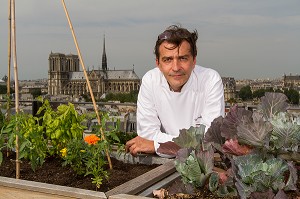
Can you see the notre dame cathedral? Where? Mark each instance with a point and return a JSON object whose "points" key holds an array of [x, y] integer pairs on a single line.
{"points": [[65, 77]]}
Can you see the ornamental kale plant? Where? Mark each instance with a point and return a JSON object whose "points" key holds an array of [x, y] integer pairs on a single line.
{"points": [[257, 151], [259, 146], [195, 162], [258, 174]]}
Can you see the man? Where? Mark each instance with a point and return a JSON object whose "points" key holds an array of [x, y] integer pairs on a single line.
{"points": [[176, 94]]}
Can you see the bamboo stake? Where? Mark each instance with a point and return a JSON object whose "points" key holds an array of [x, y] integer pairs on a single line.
{"points": [[87, 79], [16, 82], [8, 68], [9, 61]]}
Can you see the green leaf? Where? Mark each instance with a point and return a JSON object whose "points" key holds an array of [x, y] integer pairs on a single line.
{"points": [[191, 137], [213, 182], [194, 168], [213, 134], [254, 132], [1, 157], [272, 104], [285, 132], [255, 174]]}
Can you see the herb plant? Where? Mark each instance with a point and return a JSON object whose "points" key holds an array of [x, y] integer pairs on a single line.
{"points": [[41, 137], [62, 125], [33, 145]]}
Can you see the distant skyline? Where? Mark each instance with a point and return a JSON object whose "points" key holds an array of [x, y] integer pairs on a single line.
{"points": [[241, 39]]}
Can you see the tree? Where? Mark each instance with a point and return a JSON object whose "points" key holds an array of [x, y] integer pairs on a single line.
{"points": [[292, 95], [278, 91], [270, 89], [3, 89], [245, 93], [232, 101], [122, 97], [35, 92], [259, 93]]}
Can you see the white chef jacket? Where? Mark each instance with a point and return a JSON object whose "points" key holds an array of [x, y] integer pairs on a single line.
{"points": [[161, 113]]}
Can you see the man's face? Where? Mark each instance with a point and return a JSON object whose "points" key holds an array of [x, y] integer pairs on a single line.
{"points": [[176, 64]]}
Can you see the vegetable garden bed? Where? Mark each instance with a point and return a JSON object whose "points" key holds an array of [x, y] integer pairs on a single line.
{"points": [[52, 178]]}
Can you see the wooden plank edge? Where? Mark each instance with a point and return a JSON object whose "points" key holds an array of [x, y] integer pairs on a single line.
{"points": [[51, 189], [126, 196], [161, 184], [141, 182]]}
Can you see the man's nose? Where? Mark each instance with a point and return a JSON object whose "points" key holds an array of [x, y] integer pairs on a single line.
{"points": [[176, 65]]}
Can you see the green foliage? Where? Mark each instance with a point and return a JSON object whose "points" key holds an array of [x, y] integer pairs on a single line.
{"points": [[254, 174], [3, 89], [60, 133], [221, 190], [35, 92], [1, 146], [192, 162], [258, 151], [87, 159], [265, 139], [62, 125], [32, 144], [37, 141], [194, 167], [190, 138], [254, 132], [259, 93], [292, 95], [122, 97], [2, 120], [245, 93], [75, 155], [285, 134]]}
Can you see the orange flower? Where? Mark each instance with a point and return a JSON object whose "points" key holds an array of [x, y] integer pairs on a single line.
{"points": [[91, 139]]}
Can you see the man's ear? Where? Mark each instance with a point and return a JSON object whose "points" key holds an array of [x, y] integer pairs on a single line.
{"points": [[157, 62]]}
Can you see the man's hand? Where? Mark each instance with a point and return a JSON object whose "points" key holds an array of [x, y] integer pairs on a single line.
{"points": [[139, 144]]}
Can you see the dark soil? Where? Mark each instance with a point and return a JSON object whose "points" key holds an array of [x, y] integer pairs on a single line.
{"points": [[53, 172]]}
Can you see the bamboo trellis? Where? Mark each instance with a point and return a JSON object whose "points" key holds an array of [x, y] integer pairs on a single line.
{"points": [[9, 60], [14, 52], [87, 79]]}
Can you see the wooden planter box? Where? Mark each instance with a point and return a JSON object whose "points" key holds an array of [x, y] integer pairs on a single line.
{"points": [[139, 187]]}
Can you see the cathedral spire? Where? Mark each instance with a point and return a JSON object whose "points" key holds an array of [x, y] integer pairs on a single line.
{"points": [[104, 59]]}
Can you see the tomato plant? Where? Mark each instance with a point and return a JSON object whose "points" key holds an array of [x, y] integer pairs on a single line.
{"points": [[62, 125]]}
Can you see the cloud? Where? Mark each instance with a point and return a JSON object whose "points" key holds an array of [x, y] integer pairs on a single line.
{"points": [[237, 38]]}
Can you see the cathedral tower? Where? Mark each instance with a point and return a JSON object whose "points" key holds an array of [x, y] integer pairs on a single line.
{"points": [[104, 58]]}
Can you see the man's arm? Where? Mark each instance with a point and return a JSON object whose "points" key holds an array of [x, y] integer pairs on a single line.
{"points": [[148, 123], [214, 102]]}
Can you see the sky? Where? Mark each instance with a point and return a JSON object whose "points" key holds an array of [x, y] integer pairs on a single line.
{"points": [[239, 38]]}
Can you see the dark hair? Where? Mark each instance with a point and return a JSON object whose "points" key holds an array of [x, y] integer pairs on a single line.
{"points": [[176, 35]]}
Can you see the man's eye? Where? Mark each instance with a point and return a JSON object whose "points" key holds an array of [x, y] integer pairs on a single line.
{"points": [[167, 60], [183, 58]]}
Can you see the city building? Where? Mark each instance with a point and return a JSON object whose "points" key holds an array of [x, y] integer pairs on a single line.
{"points": [[65, 77], [291, 81], [229, 88]]}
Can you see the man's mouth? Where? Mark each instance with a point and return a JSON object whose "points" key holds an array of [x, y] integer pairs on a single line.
{"points": [[177, 75]]}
